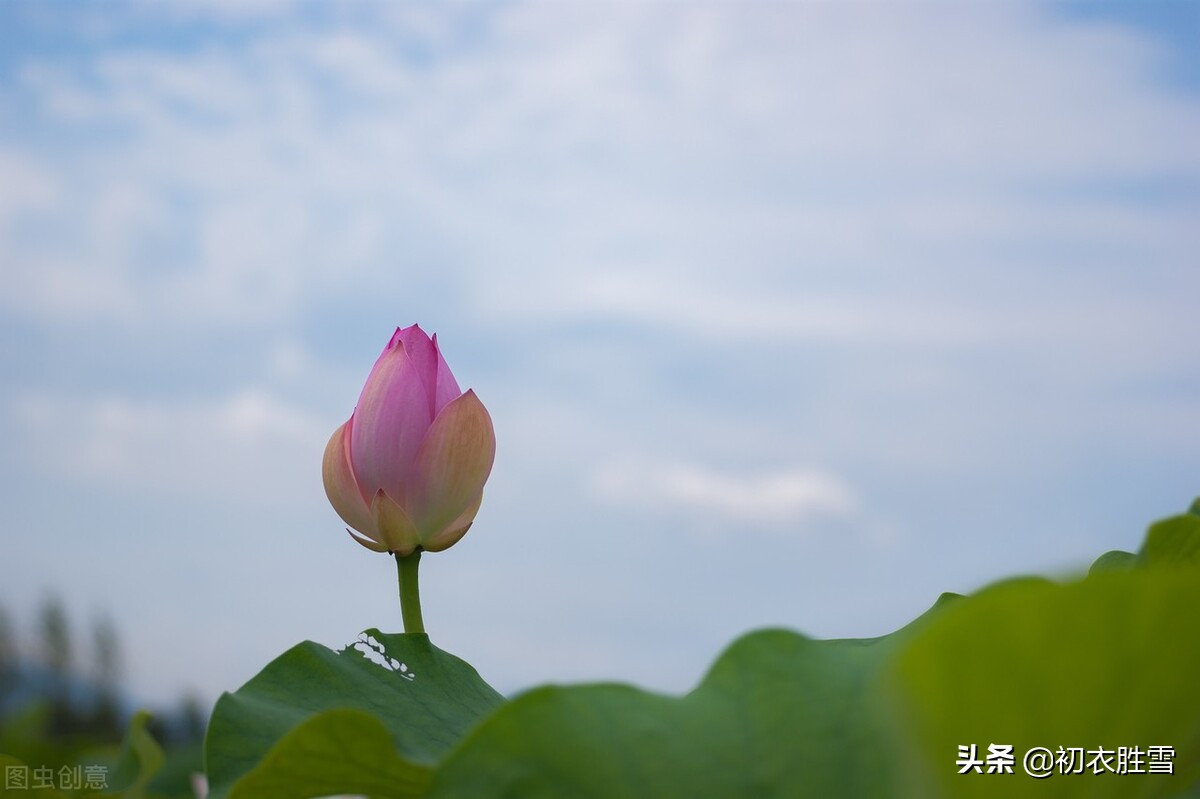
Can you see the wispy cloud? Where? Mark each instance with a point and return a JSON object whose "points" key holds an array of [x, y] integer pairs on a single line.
{"points": [[753, 158], [798, 265], [788, 497], [246, 447]]}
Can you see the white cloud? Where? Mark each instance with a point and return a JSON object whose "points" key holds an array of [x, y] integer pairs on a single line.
{"points": [[247, 446], [226, 10], [27, 187], [790, 496], [562, 166]]}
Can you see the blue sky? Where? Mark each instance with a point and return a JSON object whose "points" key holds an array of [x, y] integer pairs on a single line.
{"points": [[796, 315]]}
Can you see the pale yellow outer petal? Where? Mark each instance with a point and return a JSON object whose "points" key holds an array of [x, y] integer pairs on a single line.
{"points": [[452, 464], [449, 536], [340, 485], [366, 542], [396, 529]]}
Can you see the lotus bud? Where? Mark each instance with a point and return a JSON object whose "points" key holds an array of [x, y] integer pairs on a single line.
{"points": [[406, 470]]}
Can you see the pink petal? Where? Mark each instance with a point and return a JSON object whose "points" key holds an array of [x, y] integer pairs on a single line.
{"points": [[396, 530], [397, 336], [456, 529], [423, 352], [452, 465], [389, 423], [340, 485], [446, 387]]}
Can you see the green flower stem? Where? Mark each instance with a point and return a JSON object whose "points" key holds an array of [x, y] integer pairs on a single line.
{"points": [[410, 593]]}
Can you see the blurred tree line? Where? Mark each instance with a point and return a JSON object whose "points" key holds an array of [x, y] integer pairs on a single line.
{"points": [[62, 703]]}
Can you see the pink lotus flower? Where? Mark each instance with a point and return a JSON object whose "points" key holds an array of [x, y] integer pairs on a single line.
{"points": [[407, 469]]}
